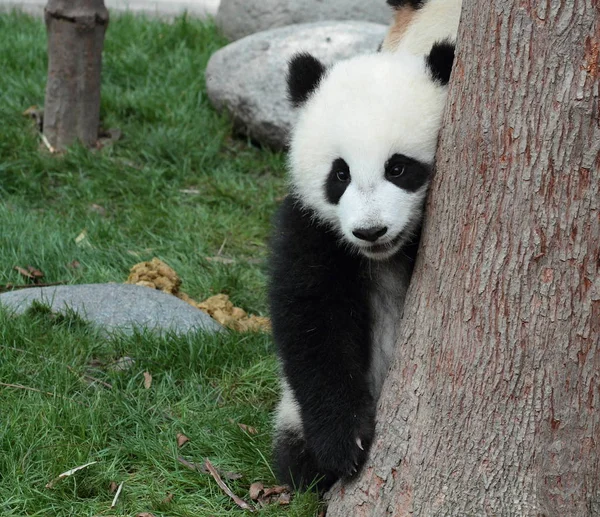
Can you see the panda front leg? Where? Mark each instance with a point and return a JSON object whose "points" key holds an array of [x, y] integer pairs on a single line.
{"points": [[325, 433], [296, 464], [321, 326]]}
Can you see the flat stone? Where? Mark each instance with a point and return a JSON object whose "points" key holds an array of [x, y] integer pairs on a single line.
{"points": [[240, 18], [113, 307], [247, 78]]}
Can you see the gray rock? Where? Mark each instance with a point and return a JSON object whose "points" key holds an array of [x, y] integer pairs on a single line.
{"points": [[116, 307], [239, 18], [247, 78]]}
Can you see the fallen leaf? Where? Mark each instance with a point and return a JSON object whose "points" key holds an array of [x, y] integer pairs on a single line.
{"points": [[182, 439], [69, 473], [74, 265], [147, 380], [144, 514], [36, 273], [280, 494], [112, 488], [275, 490], [247, 428], [116, 498], [168, 499], [23, 272], [81, 239], [240, 502], [256, 489]]}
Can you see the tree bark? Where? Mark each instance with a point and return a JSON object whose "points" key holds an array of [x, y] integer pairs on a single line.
{"points": [[492, 406], [75, 40]]}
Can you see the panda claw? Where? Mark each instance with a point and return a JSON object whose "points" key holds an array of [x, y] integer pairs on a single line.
{"points": [[359, 443]]}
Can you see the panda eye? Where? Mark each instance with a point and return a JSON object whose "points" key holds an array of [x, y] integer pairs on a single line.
{"points": [[343, 176], [395, 171]]}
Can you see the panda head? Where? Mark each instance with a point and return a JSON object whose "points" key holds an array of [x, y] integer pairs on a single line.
{"points": [[362, 150]]}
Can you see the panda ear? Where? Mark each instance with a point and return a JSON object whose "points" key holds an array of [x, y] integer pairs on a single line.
{"points": [[439, 61], [304, 75]]}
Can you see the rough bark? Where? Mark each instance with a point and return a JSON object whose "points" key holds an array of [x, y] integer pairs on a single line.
{"points": [[75, 40], [492, 406]]}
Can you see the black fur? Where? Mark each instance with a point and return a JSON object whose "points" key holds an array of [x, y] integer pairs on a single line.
{"points": [[413, 174], [319, 297], [415, 4], [304, 75], [334, 186], [440, 60]]}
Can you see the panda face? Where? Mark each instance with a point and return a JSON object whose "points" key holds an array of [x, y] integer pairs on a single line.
{"points": [[378, 211], [362, 150]]}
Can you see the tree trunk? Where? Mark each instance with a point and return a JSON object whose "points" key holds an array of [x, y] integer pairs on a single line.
{"points": [[492, 406], [75, 39]]}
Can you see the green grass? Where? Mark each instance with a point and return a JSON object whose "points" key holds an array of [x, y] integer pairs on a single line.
{"points": [[173, 141], [129, 199]]}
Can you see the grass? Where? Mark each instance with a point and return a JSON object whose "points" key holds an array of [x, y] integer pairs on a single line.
{"points": [[177, 186], [131, 198]]}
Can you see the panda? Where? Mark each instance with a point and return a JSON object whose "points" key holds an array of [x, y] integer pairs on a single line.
{"points": [[345, 241], [418, 23]]}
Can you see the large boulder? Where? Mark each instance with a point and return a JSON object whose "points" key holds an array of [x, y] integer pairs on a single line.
{"points": [[239, 18], [116, 307], [247, 77]]}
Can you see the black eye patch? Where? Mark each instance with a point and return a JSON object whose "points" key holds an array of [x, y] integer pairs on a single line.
{"points": [[406, 173], [337, 181]]}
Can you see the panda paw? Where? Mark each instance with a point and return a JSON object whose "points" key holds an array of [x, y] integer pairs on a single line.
{"points": [[343, 449]]}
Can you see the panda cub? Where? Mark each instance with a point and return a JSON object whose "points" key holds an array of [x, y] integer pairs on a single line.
{"points": [[344, 245]]}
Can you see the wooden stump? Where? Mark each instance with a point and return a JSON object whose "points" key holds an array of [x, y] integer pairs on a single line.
{"points": [[75, 40]]}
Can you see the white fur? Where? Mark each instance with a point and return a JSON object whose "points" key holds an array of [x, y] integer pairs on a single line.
{"points": [[387, 301], [287, 416], [365, 110], [436, 21]]}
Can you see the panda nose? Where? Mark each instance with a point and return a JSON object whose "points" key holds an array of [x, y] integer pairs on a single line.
{"points": [[370, 234]]}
